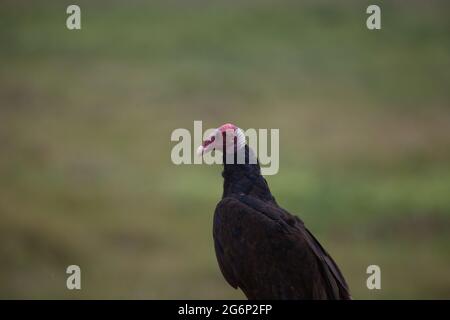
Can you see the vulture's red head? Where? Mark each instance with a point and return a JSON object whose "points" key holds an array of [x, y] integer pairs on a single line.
{"points": [[225, 137]]}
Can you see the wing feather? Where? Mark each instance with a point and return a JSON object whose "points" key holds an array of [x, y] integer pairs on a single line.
{"points": [[275, 241]]}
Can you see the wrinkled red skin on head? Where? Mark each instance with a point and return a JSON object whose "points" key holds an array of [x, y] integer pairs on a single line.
{"points": [[223, 128], [227, 126]]}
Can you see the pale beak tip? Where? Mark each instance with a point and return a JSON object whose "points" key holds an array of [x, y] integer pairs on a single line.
{"points": [[200, 151]]}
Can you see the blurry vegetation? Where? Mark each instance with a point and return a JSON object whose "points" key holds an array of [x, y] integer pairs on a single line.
{"points": [[86, 117]]}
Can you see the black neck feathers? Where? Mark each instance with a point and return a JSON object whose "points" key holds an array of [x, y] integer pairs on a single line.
{"points": [[244, 178]]}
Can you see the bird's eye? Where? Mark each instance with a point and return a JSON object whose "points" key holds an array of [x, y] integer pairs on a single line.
{"points": [[213, 138]]}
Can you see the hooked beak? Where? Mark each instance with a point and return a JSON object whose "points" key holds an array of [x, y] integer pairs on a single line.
{"points": [[206, 146], [200, 151]]}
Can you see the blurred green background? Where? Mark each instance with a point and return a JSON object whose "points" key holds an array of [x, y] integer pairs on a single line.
{"points": [[86, 116]]}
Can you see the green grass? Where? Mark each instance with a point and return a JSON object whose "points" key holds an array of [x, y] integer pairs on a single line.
{"points": [[86, 118]]}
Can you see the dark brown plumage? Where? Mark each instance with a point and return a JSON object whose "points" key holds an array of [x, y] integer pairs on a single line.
{"points": [[263, 249]]}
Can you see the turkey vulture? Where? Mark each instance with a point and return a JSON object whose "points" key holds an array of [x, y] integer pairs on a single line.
{"points": [[260, 247]]}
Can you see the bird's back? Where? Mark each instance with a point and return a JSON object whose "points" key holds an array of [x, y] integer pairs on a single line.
{"points": [[269, 254]]}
